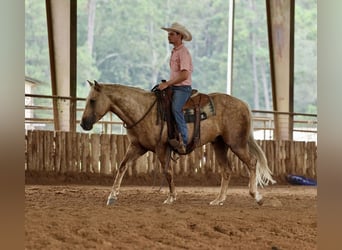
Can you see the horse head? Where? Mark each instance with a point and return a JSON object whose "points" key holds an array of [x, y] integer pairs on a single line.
{"points": [[97, 105]]}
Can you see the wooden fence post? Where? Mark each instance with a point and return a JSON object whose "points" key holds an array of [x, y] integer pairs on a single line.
{"points": [[85, 153], [299, 149], [113, 154], [69, 152], [311, 159], [30, 149], [105, 151], [120, 144], [76, 141], [48, 148], [95, 152], [60, 153]]}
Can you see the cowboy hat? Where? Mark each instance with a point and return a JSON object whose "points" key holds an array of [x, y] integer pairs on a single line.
{"points": [[176, 27]]}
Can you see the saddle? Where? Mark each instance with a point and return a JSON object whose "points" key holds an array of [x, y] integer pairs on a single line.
{"points": [[198, 107]]}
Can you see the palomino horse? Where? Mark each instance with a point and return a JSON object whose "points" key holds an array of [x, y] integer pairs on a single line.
{"points": [[230, 129]]}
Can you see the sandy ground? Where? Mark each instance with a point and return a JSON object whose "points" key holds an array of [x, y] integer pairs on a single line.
{"points": [[73, 216]]}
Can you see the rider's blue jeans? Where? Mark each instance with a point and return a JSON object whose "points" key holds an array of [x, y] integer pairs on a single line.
{"points": [[180, 95]]}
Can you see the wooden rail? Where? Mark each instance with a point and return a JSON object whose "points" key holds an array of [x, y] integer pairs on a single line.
{"points": [[110, 124]]}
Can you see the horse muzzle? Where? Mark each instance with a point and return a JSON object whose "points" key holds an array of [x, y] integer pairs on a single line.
{"points": [[86, 125]]}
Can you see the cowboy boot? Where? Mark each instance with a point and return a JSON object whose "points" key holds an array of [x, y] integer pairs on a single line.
{"points": [[178, 145]]}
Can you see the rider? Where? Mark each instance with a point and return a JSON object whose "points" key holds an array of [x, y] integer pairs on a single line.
{"points": [[180, 80]]}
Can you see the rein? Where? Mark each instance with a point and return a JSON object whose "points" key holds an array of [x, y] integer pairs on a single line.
{"points": [[142, 118]]}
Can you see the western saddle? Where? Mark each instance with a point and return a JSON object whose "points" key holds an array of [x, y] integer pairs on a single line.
{"points": [[198, 107]]}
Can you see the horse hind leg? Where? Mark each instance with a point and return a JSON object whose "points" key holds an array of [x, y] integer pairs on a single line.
{"points": [[251, 162], [221, 149], [133, 153]]}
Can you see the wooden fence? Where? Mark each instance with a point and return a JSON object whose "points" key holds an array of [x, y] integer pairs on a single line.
{"points": [[101, 153]]}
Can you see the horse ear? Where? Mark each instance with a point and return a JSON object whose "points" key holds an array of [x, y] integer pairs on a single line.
{"points": [[90, 83], [97, 86]]}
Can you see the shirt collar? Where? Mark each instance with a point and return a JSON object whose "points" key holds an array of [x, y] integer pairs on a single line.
{"points": [[179, 47]]}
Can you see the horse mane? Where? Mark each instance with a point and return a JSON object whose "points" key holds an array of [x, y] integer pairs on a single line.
{"points": [[110, 86]]}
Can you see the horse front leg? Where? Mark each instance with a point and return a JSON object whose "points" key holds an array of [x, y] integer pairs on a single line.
{"points": [[165, 160], [133, 153]]}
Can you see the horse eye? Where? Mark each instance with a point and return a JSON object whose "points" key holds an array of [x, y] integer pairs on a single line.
{"points": [[92, 101]]}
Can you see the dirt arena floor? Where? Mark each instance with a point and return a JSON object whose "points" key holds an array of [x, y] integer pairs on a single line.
{"points": [[75, 216]]}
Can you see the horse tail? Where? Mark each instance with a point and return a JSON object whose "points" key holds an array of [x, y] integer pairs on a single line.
{"points": [[263, 173]]}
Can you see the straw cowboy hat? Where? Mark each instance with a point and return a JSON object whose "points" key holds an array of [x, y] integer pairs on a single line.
{"points": [[176, 27]]}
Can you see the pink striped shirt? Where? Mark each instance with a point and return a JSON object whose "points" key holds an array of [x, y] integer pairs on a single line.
{"points": [[181, 60]]}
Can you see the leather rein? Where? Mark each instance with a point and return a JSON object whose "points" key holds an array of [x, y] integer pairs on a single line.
{"points": [[142, 118]]}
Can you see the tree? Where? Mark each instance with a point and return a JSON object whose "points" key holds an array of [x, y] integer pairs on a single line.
{"points": [[36, 45], [305, 70]]}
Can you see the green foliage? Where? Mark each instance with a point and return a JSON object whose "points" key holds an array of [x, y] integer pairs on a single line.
{"points": [[36, 45], [130, 48], [305, 70], [86, 70]]}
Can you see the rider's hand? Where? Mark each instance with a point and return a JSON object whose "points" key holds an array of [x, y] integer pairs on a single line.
{"points": [[163, 85]]}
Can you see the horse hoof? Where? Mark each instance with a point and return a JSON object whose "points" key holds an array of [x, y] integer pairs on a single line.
{"points": [[169, 200], [110, 201], [260, 202], [216, 203], [258, 198]]}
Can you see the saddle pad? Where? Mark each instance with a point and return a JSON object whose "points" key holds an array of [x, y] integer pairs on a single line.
{"points": [[206, 111]]}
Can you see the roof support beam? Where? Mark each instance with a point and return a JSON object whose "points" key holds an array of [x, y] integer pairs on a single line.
{"points": [[280, 22], [62, 36]]}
